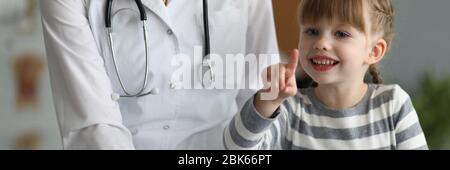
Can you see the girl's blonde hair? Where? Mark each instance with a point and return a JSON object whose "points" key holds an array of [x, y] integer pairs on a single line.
{"points": [[380, 12]]}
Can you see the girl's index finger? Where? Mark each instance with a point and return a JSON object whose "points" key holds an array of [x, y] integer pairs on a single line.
{"points": [[293, 62]]}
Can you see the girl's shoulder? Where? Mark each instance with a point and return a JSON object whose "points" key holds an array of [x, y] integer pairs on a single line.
{"points": [[396, 101], [375, 90], [388, 92], [377, 93]]}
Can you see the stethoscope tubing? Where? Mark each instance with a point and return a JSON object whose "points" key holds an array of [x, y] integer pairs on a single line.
{"points": [[143, 17]]}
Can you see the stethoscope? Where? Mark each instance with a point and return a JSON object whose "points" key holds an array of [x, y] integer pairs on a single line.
{"points": [[206, 62]]}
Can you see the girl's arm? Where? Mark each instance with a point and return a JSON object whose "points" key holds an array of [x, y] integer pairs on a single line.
{"points": [[258, 125], [249, 130]]}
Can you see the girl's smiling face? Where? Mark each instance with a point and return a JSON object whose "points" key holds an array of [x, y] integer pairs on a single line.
{"points": [[332, 52]]}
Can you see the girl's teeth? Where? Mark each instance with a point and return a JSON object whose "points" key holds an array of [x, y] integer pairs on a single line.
{"points": [[324, 62]]}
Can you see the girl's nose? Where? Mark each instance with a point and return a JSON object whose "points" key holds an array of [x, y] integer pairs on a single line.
{"points": [[322, 44]]}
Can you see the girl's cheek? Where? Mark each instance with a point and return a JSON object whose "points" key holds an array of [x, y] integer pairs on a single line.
{"points": [[304, 61], [304, 47]]}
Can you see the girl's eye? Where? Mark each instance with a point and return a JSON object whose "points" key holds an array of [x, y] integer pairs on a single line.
{"points": [[342, 34], [312, 31]]}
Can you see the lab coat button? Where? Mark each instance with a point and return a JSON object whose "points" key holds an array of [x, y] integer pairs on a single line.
{"points": [[166, 127], [169, 31]]}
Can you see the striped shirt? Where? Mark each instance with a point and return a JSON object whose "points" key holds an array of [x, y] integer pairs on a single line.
{"points": [[384, 119]]}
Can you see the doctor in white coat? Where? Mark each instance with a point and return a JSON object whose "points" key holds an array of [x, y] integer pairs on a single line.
{"points": [[84, 80]]}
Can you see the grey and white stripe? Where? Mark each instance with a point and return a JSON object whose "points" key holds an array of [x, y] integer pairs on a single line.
{"points": [[384, 119]]}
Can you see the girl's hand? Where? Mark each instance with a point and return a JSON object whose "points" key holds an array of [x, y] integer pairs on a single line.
{"points": [[283, 85], [288, 83]]}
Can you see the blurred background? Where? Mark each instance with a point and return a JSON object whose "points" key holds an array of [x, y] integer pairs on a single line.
{"points": [[418, 62], [27, 116]]}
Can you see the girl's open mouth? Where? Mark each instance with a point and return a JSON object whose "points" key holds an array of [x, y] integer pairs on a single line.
{"points": [[323, 63]]}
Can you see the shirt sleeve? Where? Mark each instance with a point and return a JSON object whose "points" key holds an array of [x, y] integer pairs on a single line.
{"points": [[87, 116], [99, 137], [408, 132], [248, 130]]}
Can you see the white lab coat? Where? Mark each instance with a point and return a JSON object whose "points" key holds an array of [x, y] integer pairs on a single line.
{"points": [[83, 76]]}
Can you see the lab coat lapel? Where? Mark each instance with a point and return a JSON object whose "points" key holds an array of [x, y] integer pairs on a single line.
{"points": [[158, 7]]}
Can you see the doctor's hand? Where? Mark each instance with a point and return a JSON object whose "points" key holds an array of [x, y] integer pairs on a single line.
{"points": [[281, 84]]}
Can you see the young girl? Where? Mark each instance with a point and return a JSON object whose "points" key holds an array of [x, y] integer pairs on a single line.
{"points": [[340, 41]]}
